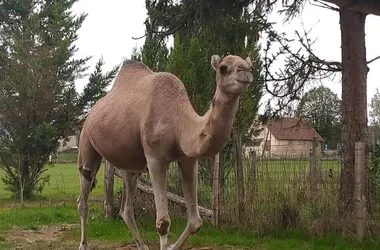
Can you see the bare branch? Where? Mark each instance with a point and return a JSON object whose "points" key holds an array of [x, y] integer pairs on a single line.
{"points": [[301, 67], [323, 5], [373, 59], [140, 37]]}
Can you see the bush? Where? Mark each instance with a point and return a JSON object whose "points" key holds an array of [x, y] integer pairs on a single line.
{"points": [[374, 173]]}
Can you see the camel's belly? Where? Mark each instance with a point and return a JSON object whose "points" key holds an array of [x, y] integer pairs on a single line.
{"points": [[123, 150], [127, 158]]}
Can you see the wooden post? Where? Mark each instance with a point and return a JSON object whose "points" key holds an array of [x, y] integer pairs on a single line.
{"points": [[215, 192], [360, 200], [252, 176], [313, 167], [109, 174]]}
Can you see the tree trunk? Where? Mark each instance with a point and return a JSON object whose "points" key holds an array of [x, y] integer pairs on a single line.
{"points": [[354, 103], [25, 188], [239, 175]]}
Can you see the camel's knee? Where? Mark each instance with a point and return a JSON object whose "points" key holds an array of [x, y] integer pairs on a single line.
{"points": [[126, 214], [82, 207], [88, 177], [195, 224], [163, 225]]}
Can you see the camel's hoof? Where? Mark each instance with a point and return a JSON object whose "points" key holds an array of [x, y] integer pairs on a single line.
{"points": [[83, 247]]}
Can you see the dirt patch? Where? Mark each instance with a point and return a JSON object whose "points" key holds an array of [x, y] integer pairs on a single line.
{"points": [[50, 237], [45, 233], [157, 247]]}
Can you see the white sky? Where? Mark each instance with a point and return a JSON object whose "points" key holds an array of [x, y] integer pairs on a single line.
{"points": [[110, 26]]}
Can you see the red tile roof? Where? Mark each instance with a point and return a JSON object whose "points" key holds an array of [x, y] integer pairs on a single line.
{"points": [[289, 128]]}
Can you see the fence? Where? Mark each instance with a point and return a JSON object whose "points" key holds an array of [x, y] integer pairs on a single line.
{"points": [[265, 195]]}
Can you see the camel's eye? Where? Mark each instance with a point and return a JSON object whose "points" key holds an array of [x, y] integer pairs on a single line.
{"points": [[223, 69]]}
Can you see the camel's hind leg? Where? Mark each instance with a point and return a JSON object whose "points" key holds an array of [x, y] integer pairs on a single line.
{"points": [[89, 162], [126, 209]]}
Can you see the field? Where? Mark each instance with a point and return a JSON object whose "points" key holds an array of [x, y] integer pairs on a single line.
{"points": [[51, 222]]}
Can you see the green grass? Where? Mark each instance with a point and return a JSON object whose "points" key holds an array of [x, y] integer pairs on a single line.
{"points": [[67, 157], [64, 183], [116, 231]]}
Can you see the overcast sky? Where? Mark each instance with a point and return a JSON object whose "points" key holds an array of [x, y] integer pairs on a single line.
{"points": [[110, 26]]}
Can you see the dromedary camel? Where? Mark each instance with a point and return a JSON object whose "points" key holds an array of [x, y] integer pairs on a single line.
{"points": [[146, 122]]}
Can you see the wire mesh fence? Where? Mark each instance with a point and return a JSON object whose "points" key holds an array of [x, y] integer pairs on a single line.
{"points": [[274, 192]]}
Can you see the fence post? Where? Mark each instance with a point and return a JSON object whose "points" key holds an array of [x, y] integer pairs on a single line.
{"points": [[252, 175], [215, 191], [313, 167], [109, 175], [360, 200]]}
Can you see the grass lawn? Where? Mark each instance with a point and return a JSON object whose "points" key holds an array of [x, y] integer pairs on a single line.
{"points": [[57, 228], [64, 184], [46, 223]]}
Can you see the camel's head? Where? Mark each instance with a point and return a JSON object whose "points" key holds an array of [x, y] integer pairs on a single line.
{"points": [[233, 74]]}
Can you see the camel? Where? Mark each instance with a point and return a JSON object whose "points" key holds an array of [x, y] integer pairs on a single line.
{"points": [[144, 123]]}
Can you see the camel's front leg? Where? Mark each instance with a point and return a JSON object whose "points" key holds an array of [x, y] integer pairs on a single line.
{"points": [[126, 210], [157, 173], [189, 174]]}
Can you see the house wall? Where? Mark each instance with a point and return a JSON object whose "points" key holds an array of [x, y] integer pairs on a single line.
{"points": [[281, 148], [65, 145], [293, 149]]}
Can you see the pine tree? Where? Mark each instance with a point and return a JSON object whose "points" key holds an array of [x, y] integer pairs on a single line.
{"points": [[38, 99]]}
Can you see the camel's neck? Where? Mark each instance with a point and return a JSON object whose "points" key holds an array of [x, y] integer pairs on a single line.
{"points": [[206, 136]]}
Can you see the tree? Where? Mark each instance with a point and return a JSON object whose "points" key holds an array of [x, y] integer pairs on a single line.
{"points": [[374, 113], [38, 99], [153, 53], [96, 87], [322, 109], [200, 30], [302, 66]]}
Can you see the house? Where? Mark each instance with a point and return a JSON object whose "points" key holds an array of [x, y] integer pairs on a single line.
{"points": [[284, 137], [70, 143]]}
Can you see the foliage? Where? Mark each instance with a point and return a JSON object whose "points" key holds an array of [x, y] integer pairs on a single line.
{"points": [[153, 53], [322, 109], [201, 30], [190, 63], [226, 25], [96, 87], [374, 113], [38, 99], [374, 173]]}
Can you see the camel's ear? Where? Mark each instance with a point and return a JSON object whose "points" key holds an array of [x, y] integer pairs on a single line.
{"points": [[248, 60], [215, 61]]}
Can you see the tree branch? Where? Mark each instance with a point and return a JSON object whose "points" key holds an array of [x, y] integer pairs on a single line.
{"points": [[323, 5], [373, 59]]}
